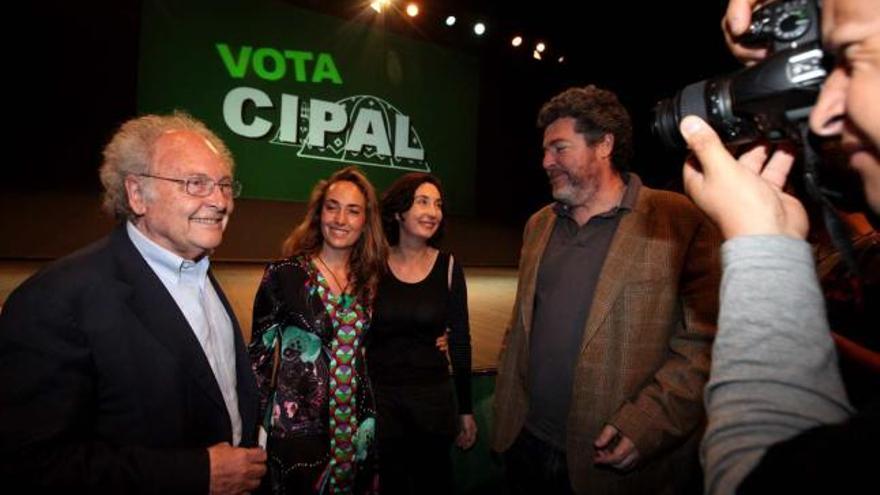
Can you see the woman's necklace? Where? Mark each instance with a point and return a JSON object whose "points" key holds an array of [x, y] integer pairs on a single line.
{"points": [[333, 274]]}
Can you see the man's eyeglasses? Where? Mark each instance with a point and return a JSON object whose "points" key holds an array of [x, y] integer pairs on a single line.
{"points": [[201, 186]]}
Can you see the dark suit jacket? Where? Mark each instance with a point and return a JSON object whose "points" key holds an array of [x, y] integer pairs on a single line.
{"points": [[645, 351], [104, 388]]}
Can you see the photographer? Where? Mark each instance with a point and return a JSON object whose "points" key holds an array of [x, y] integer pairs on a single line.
{"points": [[778, 413]]}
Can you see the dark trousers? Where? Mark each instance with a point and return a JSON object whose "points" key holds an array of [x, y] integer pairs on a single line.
{"points": [[534, 466], [415, 465]]}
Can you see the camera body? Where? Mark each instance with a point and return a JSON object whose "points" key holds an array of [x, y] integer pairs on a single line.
{"points": [[769, 100]]}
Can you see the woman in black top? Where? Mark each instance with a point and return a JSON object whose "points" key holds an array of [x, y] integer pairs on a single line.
{"points": [[422, 294]]}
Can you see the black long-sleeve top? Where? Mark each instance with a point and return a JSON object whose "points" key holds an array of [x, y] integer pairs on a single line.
{"points": [[408, 318]]}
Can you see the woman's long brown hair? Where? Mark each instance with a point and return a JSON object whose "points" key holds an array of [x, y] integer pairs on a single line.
{"points": [[367, 260]]}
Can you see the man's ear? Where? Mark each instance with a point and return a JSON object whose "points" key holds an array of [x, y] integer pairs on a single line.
{"points": [[605, 146], [137, 196]]}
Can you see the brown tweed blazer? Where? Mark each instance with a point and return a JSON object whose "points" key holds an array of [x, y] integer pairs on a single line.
{"points": [[645, 351]]}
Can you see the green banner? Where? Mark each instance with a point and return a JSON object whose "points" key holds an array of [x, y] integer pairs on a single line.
{"points": [[297, 95]]}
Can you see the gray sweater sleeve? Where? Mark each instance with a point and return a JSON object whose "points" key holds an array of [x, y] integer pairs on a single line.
{"points": [[774, 367]]}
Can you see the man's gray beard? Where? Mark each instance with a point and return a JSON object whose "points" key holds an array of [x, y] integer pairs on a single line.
{"points": [[572, 195]]}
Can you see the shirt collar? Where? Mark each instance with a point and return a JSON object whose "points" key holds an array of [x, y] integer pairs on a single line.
{"points": [[167, 264]]}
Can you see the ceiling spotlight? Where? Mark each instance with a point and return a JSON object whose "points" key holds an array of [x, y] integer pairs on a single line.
{"points": [[560, 59], [450, 21], [479, 28], [516, 41], [540, 47], [378, 5], [536, 55], [412, 10]]}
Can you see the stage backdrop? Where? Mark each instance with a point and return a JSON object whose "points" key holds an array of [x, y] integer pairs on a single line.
{"points": [[297, 95]]}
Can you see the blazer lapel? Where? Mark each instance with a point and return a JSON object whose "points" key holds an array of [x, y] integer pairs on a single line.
{"points": [[531, 261], [626, 247], [159, 314]]}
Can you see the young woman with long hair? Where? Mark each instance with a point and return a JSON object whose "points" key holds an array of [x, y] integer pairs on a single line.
{"points": [[310, 314]]}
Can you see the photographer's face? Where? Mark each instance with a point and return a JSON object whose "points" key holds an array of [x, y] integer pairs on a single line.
{"points": [[571, 163], [849, 103]]}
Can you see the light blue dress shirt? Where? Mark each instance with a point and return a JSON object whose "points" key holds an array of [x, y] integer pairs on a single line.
{"points": [[187, 281]]}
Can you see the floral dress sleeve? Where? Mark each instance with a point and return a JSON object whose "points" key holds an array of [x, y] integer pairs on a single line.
{"points": [[264, 333]]}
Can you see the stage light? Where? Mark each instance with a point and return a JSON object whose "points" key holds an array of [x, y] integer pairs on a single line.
{"points": [[379, 5], [412, 10], [450, 21], [479, 28], [536, 55], [516, 41], [561, 59], [540, 47]]}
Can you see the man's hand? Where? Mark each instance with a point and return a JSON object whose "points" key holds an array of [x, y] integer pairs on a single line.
{"points": [[468, 434], [442, 342], [735, 22], [615, 450], [745, 196], [235, 470]]}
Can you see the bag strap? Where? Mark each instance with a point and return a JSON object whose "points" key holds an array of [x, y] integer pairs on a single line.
{"points": [[451, 262], [273, 381]]}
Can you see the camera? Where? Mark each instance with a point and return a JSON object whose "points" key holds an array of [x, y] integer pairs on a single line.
{"points": [[769, 100]]}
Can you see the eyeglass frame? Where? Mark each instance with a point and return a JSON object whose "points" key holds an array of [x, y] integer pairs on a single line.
{"points": [[233, 186]]}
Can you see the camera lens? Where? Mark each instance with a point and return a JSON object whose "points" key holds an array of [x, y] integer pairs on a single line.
{"points": [[666, 122], [769, 100], [668, 113]]}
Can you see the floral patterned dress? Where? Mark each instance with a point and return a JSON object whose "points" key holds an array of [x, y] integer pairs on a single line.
{"points": [[320, 413]]}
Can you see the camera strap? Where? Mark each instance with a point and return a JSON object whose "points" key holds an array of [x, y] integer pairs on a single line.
{"points": [[838, 231]]}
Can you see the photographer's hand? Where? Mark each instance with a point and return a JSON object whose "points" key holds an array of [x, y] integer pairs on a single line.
{"points": [[745, 196], [735, 22]]}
